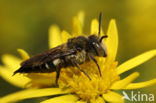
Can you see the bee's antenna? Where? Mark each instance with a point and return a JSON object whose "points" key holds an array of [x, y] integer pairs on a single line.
{"points": [[100, 20], [105, 36]]}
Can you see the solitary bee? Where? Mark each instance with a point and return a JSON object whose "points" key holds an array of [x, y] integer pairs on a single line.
{"points": [[75, 52]]}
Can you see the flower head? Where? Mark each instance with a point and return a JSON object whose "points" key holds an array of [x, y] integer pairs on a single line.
{"points": [[74, 86]]}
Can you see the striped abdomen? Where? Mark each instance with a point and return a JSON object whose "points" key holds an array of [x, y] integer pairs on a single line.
{"points": [[52, 65]]}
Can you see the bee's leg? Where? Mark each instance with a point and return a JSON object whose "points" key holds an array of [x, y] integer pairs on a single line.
{"points": [[57, 75], [94, 60], [82, 71]]}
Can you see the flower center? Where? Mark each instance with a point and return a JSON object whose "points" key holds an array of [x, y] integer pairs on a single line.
{"points": [[87, 89]]}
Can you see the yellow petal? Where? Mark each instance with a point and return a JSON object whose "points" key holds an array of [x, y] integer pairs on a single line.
{"points": [[62, 99], [94, 29], [136, 61], [113, 97], [94, 26], [81, 101], [54, 36], [112, 41], [81, 17], [76, 27], [23, 54], [12, 62], [17, 80], [141, 84], [42, 79], [65, 36], [124, 82], [99, 100], [31, 93]]}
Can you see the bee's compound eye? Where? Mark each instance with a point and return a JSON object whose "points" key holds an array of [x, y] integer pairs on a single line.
{"points": [[96, 45], [100, 51]]}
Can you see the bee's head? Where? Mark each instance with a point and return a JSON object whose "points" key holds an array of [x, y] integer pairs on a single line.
{"points": [[96, 46]]}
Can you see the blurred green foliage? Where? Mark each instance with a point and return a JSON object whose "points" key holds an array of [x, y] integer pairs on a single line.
{"points": [[24, 24]]}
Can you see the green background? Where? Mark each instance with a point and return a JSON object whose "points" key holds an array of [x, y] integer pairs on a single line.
{"points": [[24, 24]]}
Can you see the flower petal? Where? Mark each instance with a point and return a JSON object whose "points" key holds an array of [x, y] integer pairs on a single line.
{"points": [[124, 82], [112, 41], [76, 27], [81, 101], [62, 99], [23, 54], [31, 93], [17, 80], [136, 61], [99, 100], [81, 16], [42, 79], [141, 84], [12, 62], [54, 36], [94, 29], [65, 36], [113, 97]]}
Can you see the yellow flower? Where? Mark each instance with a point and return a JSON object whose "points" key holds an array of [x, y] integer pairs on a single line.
{"points": [[74, 86]]}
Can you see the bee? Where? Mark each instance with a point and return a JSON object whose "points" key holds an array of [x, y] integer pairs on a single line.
{"points": [[76, 51]]}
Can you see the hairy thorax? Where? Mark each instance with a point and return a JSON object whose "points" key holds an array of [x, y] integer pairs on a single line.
{"points": [[78, 58]]}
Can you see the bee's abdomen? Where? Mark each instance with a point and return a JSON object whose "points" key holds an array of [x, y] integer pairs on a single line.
{"points": [[53, 65], [43, 68]]}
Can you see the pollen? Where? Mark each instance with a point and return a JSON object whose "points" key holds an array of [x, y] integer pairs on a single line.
{"points": [[85, 88]]}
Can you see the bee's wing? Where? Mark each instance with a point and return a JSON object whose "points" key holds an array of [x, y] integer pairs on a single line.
{"points": [[48, 56]]}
